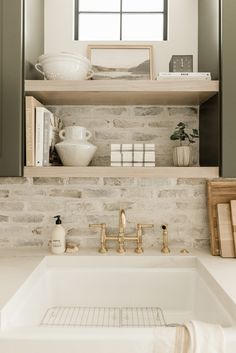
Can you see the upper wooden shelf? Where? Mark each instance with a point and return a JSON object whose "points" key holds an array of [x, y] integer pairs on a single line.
{"points": [[160, 172], [110, 92]]}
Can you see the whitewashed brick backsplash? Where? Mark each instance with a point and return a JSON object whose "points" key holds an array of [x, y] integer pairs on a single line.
{"points": [[27, 207]]}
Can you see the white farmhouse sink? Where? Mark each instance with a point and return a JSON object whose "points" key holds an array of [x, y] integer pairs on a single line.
{"points": [[79, 303]]}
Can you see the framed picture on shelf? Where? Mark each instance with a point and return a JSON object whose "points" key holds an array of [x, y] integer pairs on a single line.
{"points": [[121, 62]]}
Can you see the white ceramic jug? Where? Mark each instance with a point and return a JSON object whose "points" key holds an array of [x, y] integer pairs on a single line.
{"points": [[75, 150]]}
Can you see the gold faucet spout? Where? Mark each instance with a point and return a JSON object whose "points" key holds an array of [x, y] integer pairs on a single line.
{"points": [[121, 236], [122, 222]]}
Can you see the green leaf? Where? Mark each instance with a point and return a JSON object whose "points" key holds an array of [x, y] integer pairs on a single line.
{"points": [[181, 135]]}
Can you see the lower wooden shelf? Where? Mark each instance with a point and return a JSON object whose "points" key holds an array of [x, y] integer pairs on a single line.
{"points": [[171, 172]]}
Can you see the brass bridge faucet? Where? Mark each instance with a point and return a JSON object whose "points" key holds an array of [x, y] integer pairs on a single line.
{"points": [[121, 237]]}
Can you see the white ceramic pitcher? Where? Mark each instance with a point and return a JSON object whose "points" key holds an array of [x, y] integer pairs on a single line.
{"points": [[75, 150]]}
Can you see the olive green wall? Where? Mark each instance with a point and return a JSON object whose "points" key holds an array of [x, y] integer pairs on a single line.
{"points": [[228, 88], [11, 81], [34, 36], [208, 59], [208, 37]]}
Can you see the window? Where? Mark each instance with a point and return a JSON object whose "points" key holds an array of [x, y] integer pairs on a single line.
{"points": [[114, 20]]}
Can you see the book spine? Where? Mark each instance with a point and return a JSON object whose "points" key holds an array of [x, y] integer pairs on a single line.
{"points": [[184, 76], [30, 129], [46, 139], [39, 137]]}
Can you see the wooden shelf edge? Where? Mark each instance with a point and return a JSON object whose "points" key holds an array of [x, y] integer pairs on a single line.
{"points": [[123, 85], [118, 92], [161, 172]]}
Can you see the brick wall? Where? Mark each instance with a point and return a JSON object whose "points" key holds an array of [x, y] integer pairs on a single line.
{"points": [[130, 124], [27, 206]]}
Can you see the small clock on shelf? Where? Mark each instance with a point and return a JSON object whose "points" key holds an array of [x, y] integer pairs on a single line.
{"points": [[181, 63]]}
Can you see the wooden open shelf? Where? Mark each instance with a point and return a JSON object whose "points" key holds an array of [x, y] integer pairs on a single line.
{"points": [[117, 92], [171, 172]]}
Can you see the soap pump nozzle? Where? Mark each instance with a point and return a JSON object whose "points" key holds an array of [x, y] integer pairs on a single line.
{"points": [[58, 219]]}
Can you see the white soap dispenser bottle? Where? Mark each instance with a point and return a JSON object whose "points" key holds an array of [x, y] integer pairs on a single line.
{"points": [[58, 243]]}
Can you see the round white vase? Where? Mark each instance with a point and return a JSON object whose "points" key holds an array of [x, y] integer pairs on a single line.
{"points": [[183, 156], [75, 150]]}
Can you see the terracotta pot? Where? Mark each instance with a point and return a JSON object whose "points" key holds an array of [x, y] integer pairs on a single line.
{"points": [[183, 156]]}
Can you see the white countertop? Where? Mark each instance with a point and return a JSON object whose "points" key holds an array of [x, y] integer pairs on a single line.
{"points": [[15, 267], [17, 264]]}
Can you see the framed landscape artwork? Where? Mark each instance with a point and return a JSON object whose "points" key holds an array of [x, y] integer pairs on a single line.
{"points": [[121, 62]]}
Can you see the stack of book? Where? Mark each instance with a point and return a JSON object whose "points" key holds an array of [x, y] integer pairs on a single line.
{"points": [[184, 76], [133, 155], [42, 128]]}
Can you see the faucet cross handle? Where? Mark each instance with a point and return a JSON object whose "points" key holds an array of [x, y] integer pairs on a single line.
{"points": [[139, 236], [102, 226]]}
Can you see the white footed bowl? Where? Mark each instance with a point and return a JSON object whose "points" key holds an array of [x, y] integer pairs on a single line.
{"points": [[64, 66]]}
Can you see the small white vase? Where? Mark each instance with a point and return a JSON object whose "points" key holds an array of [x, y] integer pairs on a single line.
{"points": [[75, 150], [183, 156]]}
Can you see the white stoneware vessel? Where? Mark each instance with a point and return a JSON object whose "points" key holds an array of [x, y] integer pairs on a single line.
{"points": [[183, 156], [64, 66], [75, 150]]}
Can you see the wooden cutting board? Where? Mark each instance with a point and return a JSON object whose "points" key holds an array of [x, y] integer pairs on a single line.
{"points": [[225, 230], [219, 191], [233, 217]]}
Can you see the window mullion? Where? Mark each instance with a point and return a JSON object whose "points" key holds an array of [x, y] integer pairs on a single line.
{"points": [[165, 20], [76, 19]]}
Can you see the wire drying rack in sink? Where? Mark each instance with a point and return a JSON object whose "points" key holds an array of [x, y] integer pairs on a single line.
{"points": [[104, 317]]}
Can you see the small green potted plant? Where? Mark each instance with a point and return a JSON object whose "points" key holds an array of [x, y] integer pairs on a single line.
{"points": [[183, 155]]}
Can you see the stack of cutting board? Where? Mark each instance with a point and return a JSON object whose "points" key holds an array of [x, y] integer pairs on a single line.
{"points": [[222, 217]]}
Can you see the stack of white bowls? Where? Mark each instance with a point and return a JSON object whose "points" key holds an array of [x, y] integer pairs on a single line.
{"points": [[64, 66]]}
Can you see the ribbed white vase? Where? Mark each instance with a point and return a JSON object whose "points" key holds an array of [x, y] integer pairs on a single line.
{"points": [[183, 156]]}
